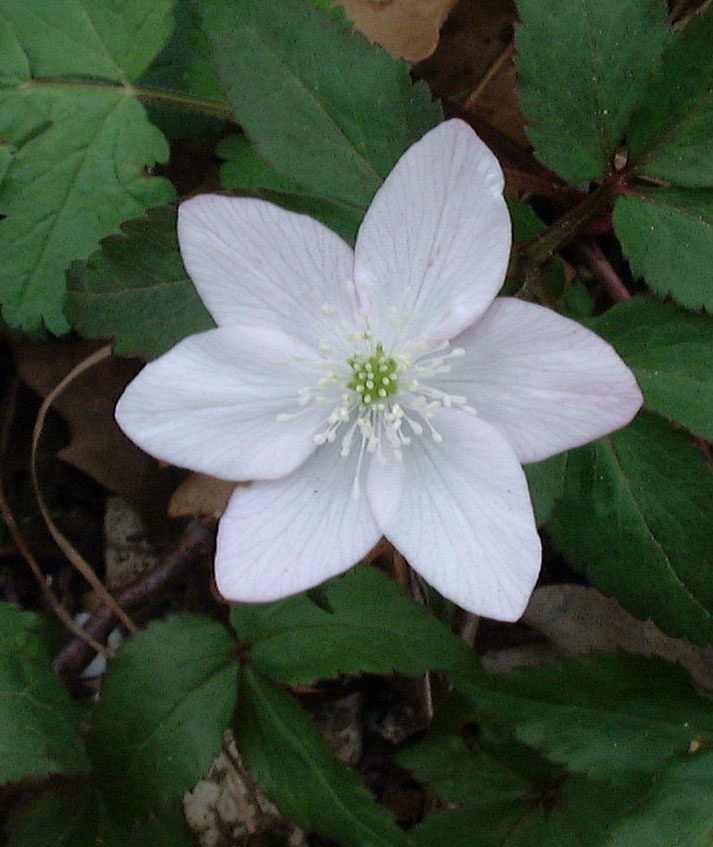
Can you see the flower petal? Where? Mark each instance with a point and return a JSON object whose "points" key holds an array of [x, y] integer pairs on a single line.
{"points": [[211, 404], [460, 512], [255, 263], [278, 538], [547, 383], [433, 248]]}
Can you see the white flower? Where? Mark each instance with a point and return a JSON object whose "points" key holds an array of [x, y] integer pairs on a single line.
{"points": [[377, 391]]}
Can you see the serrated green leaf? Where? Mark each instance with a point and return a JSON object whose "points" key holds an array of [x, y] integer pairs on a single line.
{"points": [[575, 813], [244, 171], [636, 518], [77, 816], [184, 65], [613, 716], [671, 136], [65, 816], [460, 769], [243, 168], [667, 236], [671, 353], [510, 796], [166, 700], [372, 627], [39, 723], [339, 217], [7, 154], [136, 290], [338, 134], [285, 753], [83, 38], [82, 147], [679, 810], [584, 66]]}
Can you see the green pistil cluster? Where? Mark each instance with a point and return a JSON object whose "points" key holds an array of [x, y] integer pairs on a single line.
{"points": [[374, 377]]}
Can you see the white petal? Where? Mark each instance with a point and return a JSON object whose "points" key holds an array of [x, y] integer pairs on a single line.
{"points": [[211, 404], [254, 263], [547, 383], [433, 248], [460, 512], [279, 538]]}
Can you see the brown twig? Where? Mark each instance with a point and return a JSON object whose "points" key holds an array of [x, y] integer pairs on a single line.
{"points": [[197, 540], [64, 544], [601, 267], [23, 548], [505, 54]]}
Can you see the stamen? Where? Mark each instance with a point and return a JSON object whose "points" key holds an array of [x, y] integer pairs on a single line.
{"points": [[384, 399]]}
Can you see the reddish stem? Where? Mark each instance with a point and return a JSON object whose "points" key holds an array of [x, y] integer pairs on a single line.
{"points": [[600, 266]]}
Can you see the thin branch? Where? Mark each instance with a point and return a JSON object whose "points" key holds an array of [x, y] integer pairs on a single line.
{"points": [[487, 77], [21, 544], [601, 267], [197, 540]]}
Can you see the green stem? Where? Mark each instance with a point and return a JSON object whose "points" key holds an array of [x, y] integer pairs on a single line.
{"points": [[162, 96], [534, 255]]}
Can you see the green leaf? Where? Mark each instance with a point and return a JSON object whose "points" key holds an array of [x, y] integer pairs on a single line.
{"points": [[671, 135], [463, 769], [244, 168], [574, 813], [546, 482], [285, 753], [77, 816], [184, 65], [679, 809], [136, 290], [612, 716], [39, 723], [166, 700], [636, 518], [339, 217], [667, 236], [82, 147], [251, 175], [584, 66], [338, 134], [89, 37], [510, 796], [372, 626], [671, 354], [65, 816]]}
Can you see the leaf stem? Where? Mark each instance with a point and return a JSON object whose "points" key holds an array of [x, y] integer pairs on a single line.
{"points": [[191, 102], [534, 255], [601, 267], [564, 229], [162, 96]]}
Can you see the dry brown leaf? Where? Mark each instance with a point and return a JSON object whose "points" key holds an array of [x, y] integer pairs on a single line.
{"points": [[408, 29], [201, 494], [97, 447], [474, 64]]}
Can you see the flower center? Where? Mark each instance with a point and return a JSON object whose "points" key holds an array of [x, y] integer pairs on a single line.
{"points": [[374, 377], [377, 401]]}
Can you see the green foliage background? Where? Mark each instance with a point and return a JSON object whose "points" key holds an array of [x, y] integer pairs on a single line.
{"points": [[597, 751]]}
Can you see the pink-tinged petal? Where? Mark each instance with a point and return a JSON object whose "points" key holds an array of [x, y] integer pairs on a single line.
{"points": [[460, 512], [278, 538], [211, 404], [433, 248], [547, 383], [255, 263]]}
